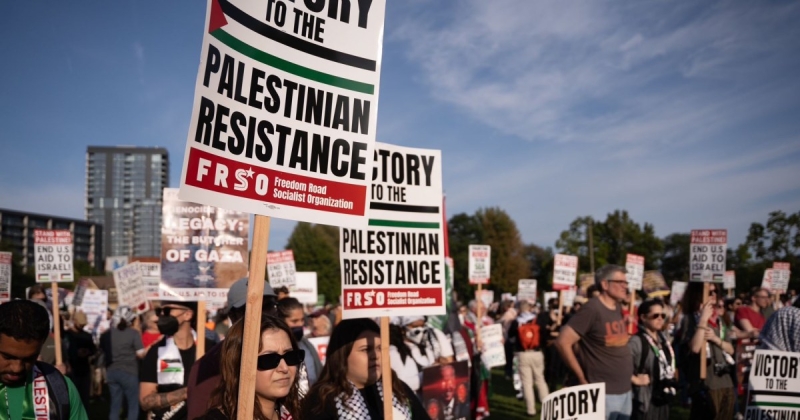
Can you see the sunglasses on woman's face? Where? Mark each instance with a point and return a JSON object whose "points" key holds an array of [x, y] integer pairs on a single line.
{"points": [[656, 316], [270, 361]]}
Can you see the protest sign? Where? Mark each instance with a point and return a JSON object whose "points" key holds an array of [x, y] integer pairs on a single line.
{"points": [[584, 282], [5, 277], [547, 297], [780, 276], [95, 306], [654, 285], [745, 348], [281, 269], [729, 280], [582, 402], [445, 389], [634, 265], [708, 248], [53, 253], [678, 289], [565, 271], [321, 345], [766, 280], [80, 290], [396, 266], [526, 290], [305, 287], [508, 296], [285, 110], [131, 291], [203, 249], [568, 296], [480, 264], [485, 296], [113, 263], [774, 386], [151, 276], [493, 351]]}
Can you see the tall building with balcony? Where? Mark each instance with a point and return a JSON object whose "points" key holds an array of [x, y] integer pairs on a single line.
{"points": [[124, 187], [16, 229]]}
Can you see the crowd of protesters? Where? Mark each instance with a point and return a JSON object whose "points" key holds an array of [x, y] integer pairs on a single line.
{"points": [[145, 366]]}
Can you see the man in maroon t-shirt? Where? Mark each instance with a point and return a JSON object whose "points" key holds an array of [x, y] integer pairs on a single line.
{"points": [[749, 318]]}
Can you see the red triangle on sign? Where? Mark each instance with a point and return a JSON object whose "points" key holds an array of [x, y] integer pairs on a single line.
{"points": [[217, 18]]}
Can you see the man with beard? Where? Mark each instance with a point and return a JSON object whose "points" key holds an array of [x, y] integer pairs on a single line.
{"points": [[31, 389], [453, 409]]}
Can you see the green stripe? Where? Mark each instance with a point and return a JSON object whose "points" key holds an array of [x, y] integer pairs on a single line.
{"points": [[289, 67], [397, 223], [774, 404]]}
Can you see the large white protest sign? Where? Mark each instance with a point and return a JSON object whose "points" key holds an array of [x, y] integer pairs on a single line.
{"points": [[774, 390], [766, 280], [396, 266], [582, 402], [95, 306], [305, 287], [285, 109], [781, 271], [634, 266], [526, 290], [151, 276], [480, 264], [568, 296], [678, 289], [565, 271], [53, 253], [113, 263], [708, 248], [5, 277], [493, 351], [203, 250], [729, 280], [131, 291], [280, 268]]}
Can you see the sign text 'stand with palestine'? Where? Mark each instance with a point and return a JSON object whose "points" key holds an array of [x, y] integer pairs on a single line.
{"points": [[708, 248], [395, 266], [285, 109], [53, 253]]}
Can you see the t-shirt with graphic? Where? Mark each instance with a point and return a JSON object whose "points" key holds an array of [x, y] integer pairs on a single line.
{"points": [[603, 349], [22, 406]]}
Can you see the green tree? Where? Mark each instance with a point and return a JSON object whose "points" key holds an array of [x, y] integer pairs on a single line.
{"points": [[541, 263], [316, 248], [463, 230], [675, 259], [778, 240]]}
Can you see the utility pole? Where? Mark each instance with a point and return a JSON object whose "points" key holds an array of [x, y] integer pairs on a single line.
{"points": [[590, 228]]}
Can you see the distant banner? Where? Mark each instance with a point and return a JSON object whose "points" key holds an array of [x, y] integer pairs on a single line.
{"points": [[634, 266], [568, 296], [5, 277], [151, 276], [445, 391], [493, 354], [774, 386], [305, 287], [781, 272], [678, 289], [708, 249], [729, 281], [95, 306], [565, 271], [203, 249], [480, 264], [582, 402], [131, 291], [53, 254], [281, 268], [526, 290], [113, 263]]}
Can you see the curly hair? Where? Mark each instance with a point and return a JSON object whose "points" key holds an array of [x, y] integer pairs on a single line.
{"points": [[24, 320], [226, 395]]}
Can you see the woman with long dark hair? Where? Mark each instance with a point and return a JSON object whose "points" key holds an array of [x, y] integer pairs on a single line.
{"points": [[350, 384], [277, 381]]}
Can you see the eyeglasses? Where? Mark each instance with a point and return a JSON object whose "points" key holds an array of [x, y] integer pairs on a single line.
{"points": [[619, 281], [656, 316], [167, 310], [272, 360]]}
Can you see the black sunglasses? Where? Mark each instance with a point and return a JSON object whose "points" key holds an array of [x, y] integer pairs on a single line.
{"points": [[166, 310], [655, 316], [272, 360]]}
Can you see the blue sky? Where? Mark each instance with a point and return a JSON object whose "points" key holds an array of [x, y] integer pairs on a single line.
{"points": [[685, 114]]}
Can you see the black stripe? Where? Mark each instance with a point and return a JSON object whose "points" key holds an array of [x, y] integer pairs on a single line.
{"points": [[284, 38], [403, 207], [779, 393]]}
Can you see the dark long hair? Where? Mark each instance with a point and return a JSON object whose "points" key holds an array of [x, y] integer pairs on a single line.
{"points": [[333, 380], [693, 298], [397, 339], [226, 396]]}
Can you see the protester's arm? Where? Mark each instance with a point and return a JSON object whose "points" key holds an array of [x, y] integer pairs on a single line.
{"points": [[699, 337], [76, 409], [150, 399], [635, 346], [564, 344], [716, 340]]}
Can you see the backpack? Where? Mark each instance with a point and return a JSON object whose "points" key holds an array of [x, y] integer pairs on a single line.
{"points": [[57, 389], [529, 335]]}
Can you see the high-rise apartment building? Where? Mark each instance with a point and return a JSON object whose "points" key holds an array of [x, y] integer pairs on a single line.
{"points": [[124, 187]]}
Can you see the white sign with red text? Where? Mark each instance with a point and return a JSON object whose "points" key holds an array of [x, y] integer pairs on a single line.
{"points": [[281, 269], [305, 287], [781, 271], [565, 271], [131, 291], [5, 277], [708, 248], [729, 281], [285, 110], [678, 289], [480, 264], [526, 290], [53, 254], [634, 266]]}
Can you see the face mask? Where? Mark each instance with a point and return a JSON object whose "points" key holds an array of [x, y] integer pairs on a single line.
{"points": [[168, 325], [415, 334], [297, 332]]}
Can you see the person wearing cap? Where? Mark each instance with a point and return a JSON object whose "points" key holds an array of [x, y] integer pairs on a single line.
{"points": [[291, 311], [350, 384], [80, 347], [122, 347], [165, 370], [320, 323], [205, 374]]}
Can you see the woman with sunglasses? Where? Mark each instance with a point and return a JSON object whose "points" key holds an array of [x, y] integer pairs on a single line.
{"points": [[349, 387], [654, 383], [712, 397], [277, 385]]}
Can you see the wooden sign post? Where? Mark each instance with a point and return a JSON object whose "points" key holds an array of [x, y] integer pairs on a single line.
{"points": [[478, 314], [56, 324], [386, 369], [200, 346], [252, 318], [631, 318], [703, 349], [560, 306]]}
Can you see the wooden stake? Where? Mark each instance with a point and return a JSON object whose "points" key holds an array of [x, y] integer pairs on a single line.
{"points": [[252, 318], [631, 318], [479, 322], [703, 349], [386, 369], [56, 323], [560, 306], [200, 346]]}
